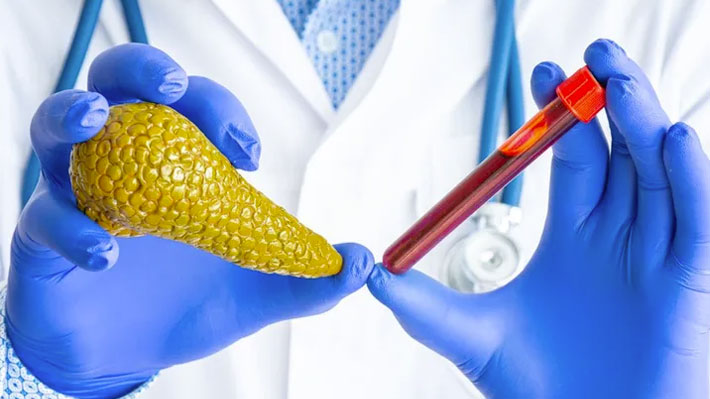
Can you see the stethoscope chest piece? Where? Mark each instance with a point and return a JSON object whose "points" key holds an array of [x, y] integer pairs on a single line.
{"points": [[488, 257]]}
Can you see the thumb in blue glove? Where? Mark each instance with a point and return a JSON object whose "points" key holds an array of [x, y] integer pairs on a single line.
{"points": [[615, 301]]}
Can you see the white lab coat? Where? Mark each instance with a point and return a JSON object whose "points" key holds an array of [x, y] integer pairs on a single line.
{"points": [[407, 132]]}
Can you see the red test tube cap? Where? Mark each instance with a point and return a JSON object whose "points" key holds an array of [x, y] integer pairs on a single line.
{"points": [[582, 95]]}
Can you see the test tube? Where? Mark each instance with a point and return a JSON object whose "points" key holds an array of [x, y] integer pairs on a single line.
{"points": [[579, 98]]}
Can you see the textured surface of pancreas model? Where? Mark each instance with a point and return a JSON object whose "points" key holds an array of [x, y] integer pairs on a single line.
{"points": [[152, 171]]}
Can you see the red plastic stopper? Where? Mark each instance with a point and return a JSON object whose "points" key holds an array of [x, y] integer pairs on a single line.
{"points": [[582, 95]]}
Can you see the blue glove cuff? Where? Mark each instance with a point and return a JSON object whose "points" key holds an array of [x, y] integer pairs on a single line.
{"points": [[17, 382]]}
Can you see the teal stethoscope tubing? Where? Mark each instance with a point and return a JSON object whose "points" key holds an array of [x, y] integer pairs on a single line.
{"points": [[504, 77], [72, 65]]}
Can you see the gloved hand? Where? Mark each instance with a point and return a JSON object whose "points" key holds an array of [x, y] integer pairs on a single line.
{"points": [[93, 323], [615, 302]]}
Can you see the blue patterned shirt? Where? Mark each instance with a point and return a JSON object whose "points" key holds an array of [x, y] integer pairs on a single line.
{"points": [[338, 36]]}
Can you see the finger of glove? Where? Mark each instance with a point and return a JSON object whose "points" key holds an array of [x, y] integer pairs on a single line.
{"points": [[223, 119], [63, 119], [618, 205], [453, 325], [53, 235], [688, 170], [633, 107], [579, 158], [132, 72]]}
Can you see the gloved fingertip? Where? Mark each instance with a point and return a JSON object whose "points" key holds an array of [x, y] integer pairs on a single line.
{"points": [[546, 76], [98, 251], [604, 57], [604, 46], [86, 113], [95, 118], [681, 132], [174, 84], [378, 281], [98, 262], [95, 112], [621, 90], [621, 84], [546, 71], [132, 71], [679, 143], [223, 119], [357, 264], [247, 158]]}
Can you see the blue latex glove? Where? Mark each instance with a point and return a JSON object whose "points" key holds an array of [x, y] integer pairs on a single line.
{"points": [[614, 303], [91, 323]]}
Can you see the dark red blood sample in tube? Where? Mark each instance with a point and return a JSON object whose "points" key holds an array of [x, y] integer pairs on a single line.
{"points": [[579, 98]]}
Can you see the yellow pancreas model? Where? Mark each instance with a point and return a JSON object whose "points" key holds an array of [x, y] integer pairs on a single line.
{"points": [[152, 171]]}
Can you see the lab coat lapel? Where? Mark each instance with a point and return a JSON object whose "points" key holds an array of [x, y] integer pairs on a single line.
{"points": [[265, 25], [440, 50]]}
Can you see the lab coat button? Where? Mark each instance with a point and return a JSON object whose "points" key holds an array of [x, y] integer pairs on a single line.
{"points": [[327, 42]]}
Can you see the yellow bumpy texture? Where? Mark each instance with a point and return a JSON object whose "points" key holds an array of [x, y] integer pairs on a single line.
{"points": [[152, 171]]}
